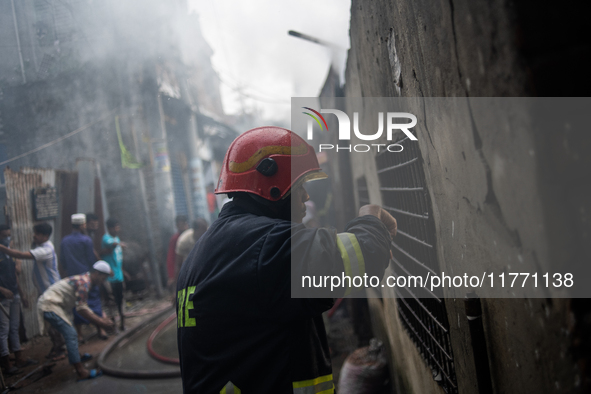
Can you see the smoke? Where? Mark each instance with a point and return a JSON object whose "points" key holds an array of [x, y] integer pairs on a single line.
{"points": [[254, 54]]}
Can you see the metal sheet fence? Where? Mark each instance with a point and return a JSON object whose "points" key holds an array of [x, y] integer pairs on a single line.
{"points": [[20, 213]]}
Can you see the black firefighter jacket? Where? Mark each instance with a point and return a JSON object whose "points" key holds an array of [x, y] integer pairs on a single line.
{"points": [[241, 327]]}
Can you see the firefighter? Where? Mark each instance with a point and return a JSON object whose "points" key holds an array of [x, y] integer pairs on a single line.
{"points": [[244, 322]]}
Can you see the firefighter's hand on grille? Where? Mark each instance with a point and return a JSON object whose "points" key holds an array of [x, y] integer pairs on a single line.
{"points": [[382, 214]]}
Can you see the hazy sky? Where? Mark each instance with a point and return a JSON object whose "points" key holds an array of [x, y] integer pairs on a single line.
{"points": [[254, 53]]}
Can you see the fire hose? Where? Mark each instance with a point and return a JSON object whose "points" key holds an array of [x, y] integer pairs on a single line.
{"points": [[155, 333], [125, 337]]}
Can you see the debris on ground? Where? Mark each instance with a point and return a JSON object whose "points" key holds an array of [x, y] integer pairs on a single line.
{"points": [[365, 371]]}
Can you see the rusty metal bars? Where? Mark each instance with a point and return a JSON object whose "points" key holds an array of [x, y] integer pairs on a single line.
{"points": [[422, 312], [362, 191]]}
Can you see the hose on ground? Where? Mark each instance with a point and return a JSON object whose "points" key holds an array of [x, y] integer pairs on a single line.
{"points": [[135, 374], [153, 353]]}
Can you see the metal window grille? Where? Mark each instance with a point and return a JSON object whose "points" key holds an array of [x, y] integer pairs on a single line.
{"points": [[64, 20], [54, 21], [423, 314], [46, 63], [362, 191], [43, 23]]}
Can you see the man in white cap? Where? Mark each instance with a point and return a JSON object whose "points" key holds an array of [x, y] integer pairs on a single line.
{"points": [[76, 248], [77, 256], [60, 298]]}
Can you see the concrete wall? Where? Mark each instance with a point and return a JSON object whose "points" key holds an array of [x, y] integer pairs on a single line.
{"points": [[499, 190]]}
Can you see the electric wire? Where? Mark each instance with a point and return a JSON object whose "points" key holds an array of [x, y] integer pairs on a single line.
{"points": [[70, 134]]}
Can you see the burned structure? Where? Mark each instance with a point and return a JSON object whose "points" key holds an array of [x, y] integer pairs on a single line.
{"points": [[120, 92]]}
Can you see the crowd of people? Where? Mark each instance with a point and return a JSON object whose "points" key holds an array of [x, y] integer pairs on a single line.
{"points": [[93, 273], [73, 293], [242, 269]]}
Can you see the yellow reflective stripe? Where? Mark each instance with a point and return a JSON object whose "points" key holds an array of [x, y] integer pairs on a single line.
{"points": [[352, 255], [358, 253], [181, 301], [189, 321], [353, 261], [322, 388], [346, 261], [322, 384], [329, 391], [312, 382], [229, 388], [236, 167]]}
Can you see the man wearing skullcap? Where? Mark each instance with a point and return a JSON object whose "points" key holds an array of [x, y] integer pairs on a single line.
{"points": [[59, 299], [77, 257]]}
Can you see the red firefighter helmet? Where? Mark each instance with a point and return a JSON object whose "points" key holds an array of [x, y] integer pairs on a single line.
{"points": [[268, 161]]}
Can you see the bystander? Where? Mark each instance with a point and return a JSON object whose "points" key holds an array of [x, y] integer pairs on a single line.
{"points": [[182, 224], [186, 242], [63, 296], [78, 256], [43, 252], [113, 254], [11, 298], [45, 272], [92, 230]]}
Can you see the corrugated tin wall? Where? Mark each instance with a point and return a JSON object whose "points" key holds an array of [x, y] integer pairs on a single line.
{"points": [[47, 175], [19, 209]]}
